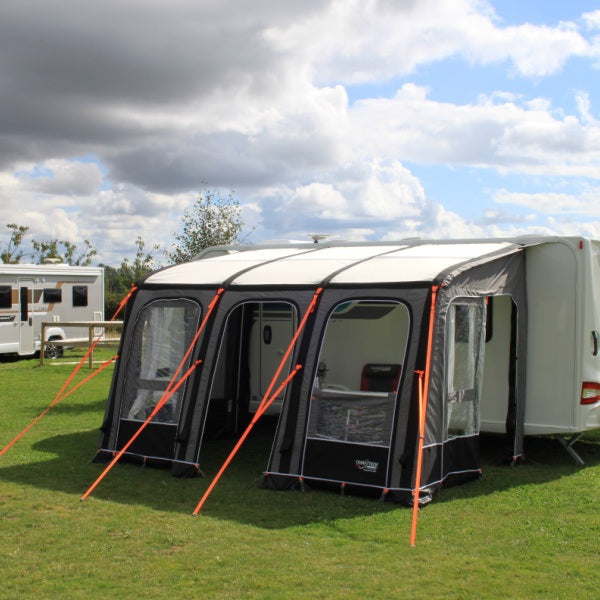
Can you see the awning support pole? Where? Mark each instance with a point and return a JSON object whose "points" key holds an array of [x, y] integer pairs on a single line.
{"points": [[267, 400], [424, 377]]}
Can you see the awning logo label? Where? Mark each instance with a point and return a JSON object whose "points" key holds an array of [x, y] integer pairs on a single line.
{"points": [[369, 466]]}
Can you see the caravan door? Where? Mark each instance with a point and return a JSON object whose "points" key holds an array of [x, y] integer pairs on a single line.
{"points": [[26, 333]]}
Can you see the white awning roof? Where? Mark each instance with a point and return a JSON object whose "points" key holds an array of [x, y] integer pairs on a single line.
{"points": [[309, 264]]}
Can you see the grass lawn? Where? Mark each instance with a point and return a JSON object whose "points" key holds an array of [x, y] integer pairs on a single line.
{"points": [[529, 531]]}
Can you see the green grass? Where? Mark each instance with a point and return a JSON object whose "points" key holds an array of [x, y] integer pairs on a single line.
{"points": [[529, 531]]}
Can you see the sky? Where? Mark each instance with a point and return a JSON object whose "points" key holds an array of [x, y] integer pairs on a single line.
{"points": [[361, 119]]}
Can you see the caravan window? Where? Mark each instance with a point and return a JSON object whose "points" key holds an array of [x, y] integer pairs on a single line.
{"points": [[5, 296], [52, 295], [163, 333], [466, 335], [80, 295], [359, 372]]}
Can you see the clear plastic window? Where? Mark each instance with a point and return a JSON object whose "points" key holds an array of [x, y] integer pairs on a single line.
{"points": [[162, 335], [359, 371], [466, 336]]}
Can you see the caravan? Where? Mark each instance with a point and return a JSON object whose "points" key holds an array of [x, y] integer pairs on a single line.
{"points": [[475, 335], [33, 294]]}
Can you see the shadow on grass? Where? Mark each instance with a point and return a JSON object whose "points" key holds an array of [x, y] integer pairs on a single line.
{"points": [[545, 460], [74, 407], [239, 497]]}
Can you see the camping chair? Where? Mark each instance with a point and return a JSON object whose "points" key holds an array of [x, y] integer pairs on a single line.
{"points": [[380, 377]]}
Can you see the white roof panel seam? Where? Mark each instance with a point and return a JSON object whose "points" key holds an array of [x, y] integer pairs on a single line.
{"points": [[367, 264]]}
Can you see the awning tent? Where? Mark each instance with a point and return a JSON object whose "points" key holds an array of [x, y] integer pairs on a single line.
{"points": [[350, 416]]}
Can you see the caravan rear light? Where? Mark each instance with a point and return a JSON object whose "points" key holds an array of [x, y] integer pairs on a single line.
{"points": [[590, 392]]}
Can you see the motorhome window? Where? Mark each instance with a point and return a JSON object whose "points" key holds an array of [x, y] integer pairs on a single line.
{"points": [[162, 335], [80, 295], [464, 366], [5, 296], [52, 295], [359, 371]]}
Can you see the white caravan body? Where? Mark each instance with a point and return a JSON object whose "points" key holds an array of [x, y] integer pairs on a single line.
{"points": [[563, 347], [32, 294], [563, 344]]}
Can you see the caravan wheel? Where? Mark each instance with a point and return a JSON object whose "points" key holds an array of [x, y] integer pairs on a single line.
{"points": [[54, 350]]}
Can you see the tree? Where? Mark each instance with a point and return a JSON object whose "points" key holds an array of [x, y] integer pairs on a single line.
{"points": [[143, 264], [12, 254], [211, 221], [118, 282], [85, 256], [49, 249]]}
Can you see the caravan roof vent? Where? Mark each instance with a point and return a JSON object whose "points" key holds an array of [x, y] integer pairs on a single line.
{"points": [[318, 237]]}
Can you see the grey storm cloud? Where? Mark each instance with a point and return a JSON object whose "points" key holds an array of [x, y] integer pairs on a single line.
{"points": [[76, 76], [114, 115]]}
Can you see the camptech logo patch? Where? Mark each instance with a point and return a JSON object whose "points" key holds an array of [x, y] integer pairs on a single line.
{"points": [[366, 465]]}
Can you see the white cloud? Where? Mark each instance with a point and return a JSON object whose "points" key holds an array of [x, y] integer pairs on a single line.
{"points": [[554, 203], [528, 139], [63, 177], [592, 19], [356, 196], [254, 99], [360, 41], [584, 105], [493, 217]]}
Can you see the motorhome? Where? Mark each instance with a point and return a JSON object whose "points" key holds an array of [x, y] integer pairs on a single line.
{"points": [[496, 335], [31, 294]]}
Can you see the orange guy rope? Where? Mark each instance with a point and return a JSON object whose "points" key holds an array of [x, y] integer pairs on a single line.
{"points": [[262, 408], [124, 302], [309, 310], [209, 311], [93, 374], [91, 348], [56, 400], [267, 400], [423, 398], [61, 393], [163, 400], [172, 387]]}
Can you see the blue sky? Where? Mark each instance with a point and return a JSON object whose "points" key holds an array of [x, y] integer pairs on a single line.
{"points": [[376, 119]]}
